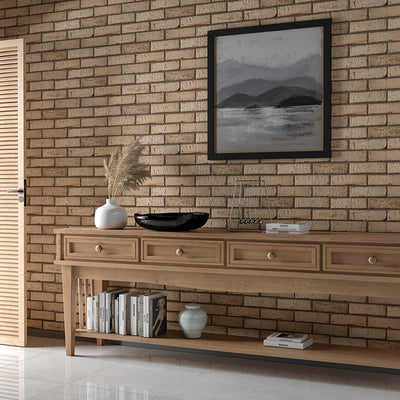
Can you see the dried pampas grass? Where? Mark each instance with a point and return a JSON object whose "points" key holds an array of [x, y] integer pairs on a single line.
{"points": [[124, 170]]}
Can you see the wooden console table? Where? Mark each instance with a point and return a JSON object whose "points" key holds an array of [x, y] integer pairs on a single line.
{"points": [[363, 264]]}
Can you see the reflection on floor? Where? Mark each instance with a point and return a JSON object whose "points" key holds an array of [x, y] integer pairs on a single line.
{"points": [[43, 372]]}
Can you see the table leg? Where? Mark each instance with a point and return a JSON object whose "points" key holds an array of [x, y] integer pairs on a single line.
{"points": [[69, 296]]}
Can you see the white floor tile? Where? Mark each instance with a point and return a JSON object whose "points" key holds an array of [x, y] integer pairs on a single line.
{"points": [[91, 392], [43, 372], [12, 354], [56, 367]]}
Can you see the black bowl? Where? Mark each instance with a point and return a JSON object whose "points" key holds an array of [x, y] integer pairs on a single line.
{"points": [[173, 222]]}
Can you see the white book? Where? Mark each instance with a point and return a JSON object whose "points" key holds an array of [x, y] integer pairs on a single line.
{"points": [[140, 315], [116, 315], [124, 312], [107, 308], [291, 345], [300, 227], [89, 314], [102, 312], [146, 311], [110, 308], [132, 315], [288, 337], [95, 312]]}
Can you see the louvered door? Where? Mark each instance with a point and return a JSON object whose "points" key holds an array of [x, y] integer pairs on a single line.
{"points": [[12, 235]]}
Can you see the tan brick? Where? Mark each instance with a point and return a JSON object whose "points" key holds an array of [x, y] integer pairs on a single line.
{"points": [[302, 327], [259, 324], [368, 309], [257, 14], [292, 304], [368, 333], [351, 320], [227, 321]]}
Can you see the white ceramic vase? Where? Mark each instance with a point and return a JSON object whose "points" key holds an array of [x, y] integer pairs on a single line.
{"points": [[110, 216], [192, 319]]}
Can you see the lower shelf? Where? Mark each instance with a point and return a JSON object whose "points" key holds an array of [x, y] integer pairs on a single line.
{"points": [[345, 355]]}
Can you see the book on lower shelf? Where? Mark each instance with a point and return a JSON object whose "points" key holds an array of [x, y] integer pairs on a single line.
{"points": [[152, 314], [157, 310], [291, 345], [291, 340], [127, 312], [89, 316], [288, 337]]}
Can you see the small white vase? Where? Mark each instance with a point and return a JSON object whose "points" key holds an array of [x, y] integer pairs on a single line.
{"points": [[110, 216], [192, 319]]}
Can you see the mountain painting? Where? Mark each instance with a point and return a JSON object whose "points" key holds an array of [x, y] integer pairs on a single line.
{"points": [[269, 92]]}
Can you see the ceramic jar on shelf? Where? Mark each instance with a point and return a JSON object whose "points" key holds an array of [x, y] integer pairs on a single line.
{"points": [[192, 319]]}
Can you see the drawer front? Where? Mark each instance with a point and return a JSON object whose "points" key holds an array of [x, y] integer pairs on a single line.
{"points": [[185, 252], [101, 248], [274, 256], [362, 259]]}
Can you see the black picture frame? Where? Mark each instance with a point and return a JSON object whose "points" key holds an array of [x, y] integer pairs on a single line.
{"points": [[301, 134]]}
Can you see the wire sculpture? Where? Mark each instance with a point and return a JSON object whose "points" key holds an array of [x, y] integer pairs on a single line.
{"points": [[249, 205]]}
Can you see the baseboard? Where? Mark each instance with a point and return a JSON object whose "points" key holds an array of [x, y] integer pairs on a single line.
{"points": [[53, 334]]}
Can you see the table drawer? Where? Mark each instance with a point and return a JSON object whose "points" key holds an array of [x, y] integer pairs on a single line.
{"points": [[274, 256], [362, 259], [107, 249], [187, 252]]}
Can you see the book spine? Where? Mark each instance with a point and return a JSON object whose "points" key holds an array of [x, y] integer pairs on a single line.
{"points": [[116, 315], [133, 315], [89, 315], [151, 316], [158, 316], [122, 314], [112, 312], [108, 313], [102, 312], [290, 345], [146, 316], [140, 316], [127, 309], [276, 339], [95, 313]]}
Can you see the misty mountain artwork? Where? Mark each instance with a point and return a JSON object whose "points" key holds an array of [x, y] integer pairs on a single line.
{"points": [[269, 91]]}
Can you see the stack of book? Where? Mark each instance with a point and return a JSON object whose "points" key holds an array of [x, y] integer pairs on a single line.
{"points": [[291, 340], [127, 313], [296, 229]]}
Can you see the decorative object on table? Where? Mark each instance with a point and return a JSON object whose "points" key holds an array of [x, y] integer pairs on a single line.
{"points": [[123, 171], [250, 205], [269, 91], [291, 340], [192, 320], [172, 222], [110, 216], [293, 229]]}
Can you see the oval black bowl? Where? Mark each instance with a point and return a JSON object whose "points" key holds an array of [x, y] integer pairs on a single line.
{"points": [[172, 222]]}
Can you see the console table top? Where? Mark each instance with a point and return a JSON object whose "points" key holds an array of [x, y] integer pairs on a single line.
{"points": [[386, 238]]}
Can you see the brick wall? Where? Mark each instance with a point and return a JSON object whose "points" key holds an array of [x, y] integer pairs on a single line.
{"points": [[102, 71]]}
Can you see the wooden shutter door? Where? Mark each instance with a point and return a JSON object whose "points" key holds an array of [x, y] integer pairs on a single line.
{"points": [[12, 227]]}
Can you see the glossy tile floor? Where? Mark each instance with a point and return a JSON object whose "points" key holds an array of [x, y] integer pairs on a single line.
{"points": [[42, 372]]}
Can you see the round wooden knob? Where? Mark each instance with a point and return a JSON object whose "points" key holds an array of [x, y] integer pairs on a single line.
{"points": [[372, 260], [98, 248], [271, 255], [179, 252]]}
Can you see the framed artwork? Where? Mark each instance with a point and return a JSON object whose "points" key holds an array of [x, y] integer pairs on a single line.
{"points": [[269, 91]]}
